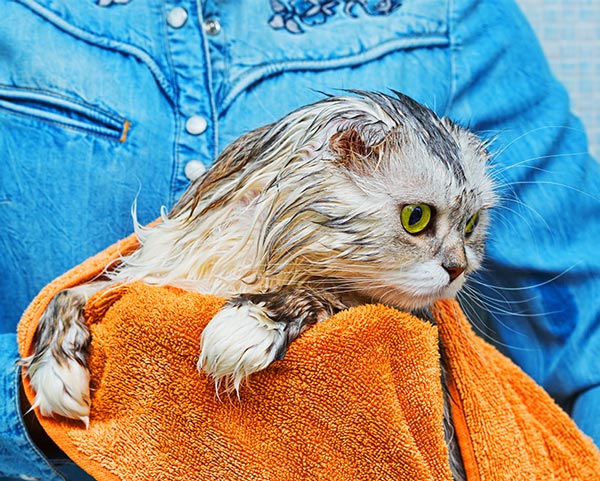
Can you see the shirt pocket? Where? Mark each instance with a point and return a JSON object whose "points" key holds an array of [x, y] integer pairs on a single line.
{"points": [[333, 35], [63, 112]]}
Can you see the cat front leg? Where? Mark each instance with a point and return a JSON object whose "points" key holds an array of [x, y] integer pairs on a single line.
{"points": [[253, 330], [57, 369]]}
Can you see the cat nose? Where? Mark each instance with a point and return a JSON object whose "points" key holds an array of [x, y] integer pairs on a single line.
{"points": [[454, 271]]}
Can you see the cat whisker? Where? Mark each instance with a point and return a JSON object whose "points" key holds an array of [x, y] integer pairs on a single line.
{"points": [[480, 325], [556, 184], [530, 286], [533, 226], [522, 163], [495, 306], [517, 139]]}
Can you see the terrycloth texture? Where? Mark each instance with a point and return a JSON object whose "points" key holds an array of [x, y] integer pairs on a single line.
{"points": [[357, 397]]}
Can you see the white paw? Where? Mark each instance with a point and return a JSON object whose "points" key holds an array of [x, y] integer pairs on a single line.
{"points": [[61, 388], [240, 340]]}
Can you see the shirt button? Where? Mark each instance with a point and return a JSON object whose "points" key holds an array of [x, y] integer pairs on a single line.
{"points": [[212, 26], [196, 125], [194, 169], [177, 17]]}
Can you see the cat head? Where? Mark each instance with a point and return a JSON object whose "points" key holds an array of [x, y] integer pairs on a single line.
{"points": [[384, 199]]}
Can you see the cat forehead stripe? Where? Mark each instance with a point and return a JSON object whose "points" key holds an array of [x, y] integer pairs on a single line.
{"points": [[424, 123]]}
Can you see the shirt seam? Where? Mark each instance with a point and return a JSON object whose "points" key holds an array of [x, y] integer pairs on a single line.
{"points": [[454, 45]]}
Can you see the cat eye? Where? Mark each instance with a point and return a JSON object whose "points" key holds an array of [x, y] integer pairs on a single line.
{"points": [[471, 224], [415, 217]]}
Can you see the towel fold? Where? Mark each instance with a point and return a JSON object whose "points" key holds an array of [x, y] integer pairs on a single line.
{"points": [[357, 397]]}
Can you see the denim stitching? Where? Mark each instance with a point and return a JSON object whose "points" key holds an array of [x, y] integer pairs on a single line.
{"points": [[454, 47], [81, 129], [108, 125], [51, 98]]}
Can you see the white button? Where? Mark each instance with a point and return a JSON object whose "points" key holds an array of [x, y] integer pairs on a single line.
{"points": [[196, 125], [194, 169], [177, 17], [212, 26]]}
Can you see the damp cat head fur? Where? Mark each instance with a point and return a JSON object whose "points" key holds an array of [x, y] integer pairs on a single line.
{"points": [[319, 198]]}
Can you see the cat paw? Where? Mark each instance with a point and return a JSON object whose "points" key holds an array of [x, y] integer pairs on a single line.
{"points": [[62, 388], [240, 340]]}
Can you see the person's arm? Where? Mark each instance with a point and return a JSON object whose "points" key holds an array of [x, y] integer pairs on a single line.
{"points": [[543, 271]]}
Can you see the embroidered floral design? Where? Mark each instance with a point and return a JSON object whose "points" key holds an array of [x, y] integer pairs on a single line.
{"points": [[293, 14]]}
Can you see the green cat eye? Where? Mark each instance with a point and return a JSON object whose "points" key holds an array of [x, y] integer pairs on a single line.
{"points": [[472, 223], [415, 217]]}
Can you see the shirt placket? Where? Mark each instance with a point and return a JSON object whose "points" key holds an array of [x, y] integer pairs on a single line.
{"points": [[197, 122]]}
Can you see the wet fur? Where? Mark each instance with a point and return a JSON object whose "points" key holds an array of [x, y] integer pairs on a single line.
{"points": [[294, 222]]}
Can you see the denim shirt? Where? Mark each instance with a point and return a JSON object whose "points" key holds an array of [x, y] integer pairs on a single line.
{"points": [[106, 103]]}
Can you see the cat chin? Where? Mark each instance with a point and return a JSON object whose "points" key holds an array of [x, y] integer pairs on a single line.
{"points": [[415, 300], [452, 289]]}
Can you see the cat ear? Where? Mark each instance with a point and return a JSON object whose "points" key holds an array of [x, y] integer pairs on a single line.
{"points": [[350, 150]]}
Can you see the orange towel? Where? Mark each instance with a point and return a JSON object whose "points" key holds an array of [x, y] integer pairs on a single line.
{"points": [[357, 397]]}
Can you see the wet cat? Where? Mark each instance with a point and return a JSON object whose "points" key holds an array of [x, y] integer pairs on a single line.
{"points": [[360, 198]]}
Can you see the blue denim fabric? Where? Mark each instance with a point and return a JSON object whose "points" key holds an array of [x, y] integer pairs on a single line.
{"points": [[93, 109]]}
